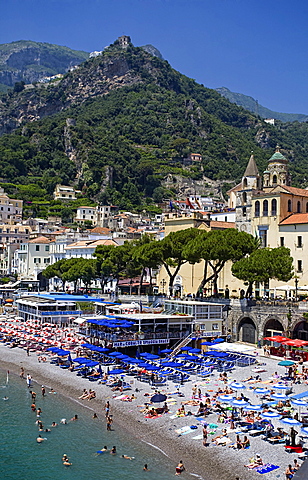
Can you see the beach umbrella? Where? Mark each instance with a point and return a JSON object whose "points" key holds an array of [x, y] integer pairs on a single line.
{"points": [[305, 430], [296, 343], [116, 371], [286, 363], [151, 356], [219, 354], [166, 350], [270, 415], [279, 386], [226, 398], [277, 338], [114, 354], [255, 408], [239, 403], [158, 398], [135, 360], [298, 402], [172, 364], [208, 364], [261, 391], [290, 421], [151, 367], [91, 364], [279, 396], [209, 344], [195, 350], [237, 385], [184, 349]]}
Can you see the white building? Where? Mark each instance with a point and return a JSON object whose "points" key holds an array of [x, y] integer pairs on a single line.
{"points": [[64, 192], [33, 257], [10, 209], [86, 214]]}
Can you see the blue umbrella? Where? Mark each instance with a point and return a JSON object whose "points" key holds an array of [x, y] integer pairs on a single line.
{"points": [[151, 367], [114, 354], [195, 350], [255, 408], [239, 403], [279, 396], [261, 391], [218, 340], [116, 371], [226, 398], [152, 357], [270, 415], [208, 364], [305, 430], [166, 350], [158, 397], [286, 363], [280, 386], [186, 349], [172, 364], [91, 364], [135, 360], [237, 385], [209, 344], [299, 403], [82, 360], [290, 421]]}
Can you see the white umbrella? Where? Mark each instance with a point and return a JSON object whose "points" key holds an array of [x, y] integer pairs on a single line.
{"points": [[255, 408], [290, 421], [298, 402], [270, 415], [279, 396], [237, 385], [280, 386], [239, 403], [305, 430], [261, 391], [226, 398]]}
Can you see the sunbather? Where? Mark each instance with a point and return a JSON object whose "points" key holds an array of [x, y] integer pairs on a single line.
{"points": [[256, 462]]}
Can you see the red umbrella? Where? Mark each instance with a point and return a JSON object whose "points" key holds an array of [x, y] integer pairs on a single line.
{"points": [[277, 338], [296, 343]]}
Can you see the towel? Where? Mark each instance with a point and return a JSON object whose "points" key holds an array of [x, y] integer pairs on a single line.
{"points": [[268, 467]]}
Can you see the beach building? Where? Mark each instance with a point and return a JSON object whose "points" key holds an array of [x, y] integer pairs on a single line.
{"points": [[52, 308]]}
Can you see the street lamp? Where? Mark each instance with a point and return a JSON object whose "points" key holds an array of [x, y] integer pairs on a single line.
{"points": [[163, 284], [296, 287]]}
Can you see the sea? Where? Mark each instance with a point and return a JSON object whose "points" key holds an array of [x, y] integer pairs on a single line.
{"points": [[22, 458]]}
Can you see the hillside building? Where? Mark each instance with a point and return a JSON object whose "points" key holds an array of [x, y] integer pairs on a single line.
{"points": [[10, 209]]}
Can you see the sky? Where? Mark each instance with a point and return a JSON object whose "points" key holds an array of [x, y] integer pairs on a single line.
{"points": [[258, 48]]}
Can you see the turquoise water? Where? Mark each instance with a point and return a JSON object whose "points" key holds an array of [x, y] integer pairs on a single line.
{"points": [[21, 457]]}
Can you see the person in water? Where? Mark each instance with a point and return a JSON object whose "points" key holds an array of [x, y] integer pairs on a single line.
{"points": [[113, 451], [179, 468], [145, 468], [104, 449], [127, 457], [40, 439]]}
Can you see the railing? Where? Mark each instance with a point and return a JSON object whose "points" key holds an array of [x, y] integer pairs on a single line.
{"points": [[115, 337]]}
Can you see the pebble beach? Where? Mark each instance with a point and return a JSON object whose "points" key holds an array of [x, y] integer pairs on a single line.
{"points": [[209, 463]]}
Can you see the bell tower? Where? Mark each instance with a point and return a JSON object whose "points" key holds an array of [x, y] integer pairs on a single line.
{"points": [[251, 182], [277, 172]]}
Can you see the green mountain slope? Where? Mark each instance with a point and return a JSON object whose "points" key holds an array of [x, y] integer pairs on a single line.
{"points": [[30, 61], [249, 103], [120, 122]]}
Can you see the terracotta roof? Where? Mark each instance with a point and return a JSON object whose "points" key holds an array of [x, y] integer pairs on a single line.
{"points": [[222, 225], [236, 188], [296, 191], [102, 242], [40, 240], [102, 230], [295, 218]]}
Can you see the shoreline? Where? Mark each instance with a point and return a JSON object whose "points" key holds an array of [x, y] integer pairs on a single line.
{"points": [[206, 463], [199, 461]]}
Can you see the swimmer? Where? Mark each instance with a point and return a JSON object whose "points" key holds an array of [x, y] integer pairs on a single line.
{"points": [[104, 449], [127, 457], [5, 398], [52, 391], [67, 463], [63, 421], [75, 417], [94, 415], [180, 468], [54, 424], [40, 439], [145, 468], [64, 457], [113, 451]]}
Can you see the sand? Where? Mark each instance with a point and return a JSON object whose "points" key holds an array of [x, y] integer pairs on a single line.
{"points": [[208, 463]]}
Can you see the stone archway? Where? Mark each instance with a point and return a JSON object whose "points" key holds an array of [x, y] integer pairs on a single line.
{"points": [[273, 327], [301, 330], [247, 330]]}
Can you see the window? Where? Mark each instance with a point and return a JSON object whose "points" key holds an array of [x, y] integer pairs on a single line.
{"points": [[244, 211], [215, 326], [282, 241], [46, 260], [265, 208], [37, 248], [244, 197], [263, 238], [245, 183], [274, 179], [274, 207], [306, 207], [257, 209], [289, 206], [299, 207], [37, 260], [299, 265], [46, 248], [299, 242]]}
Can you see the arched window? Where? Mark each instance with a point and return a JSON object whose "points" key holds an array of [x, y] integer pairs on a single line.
{"points": [[265, 208], [298, 207], [274, 207], [244, 197], [244, 212], [274, 179], [289, 206], [306, 207], [245, 183], [257, 209]]}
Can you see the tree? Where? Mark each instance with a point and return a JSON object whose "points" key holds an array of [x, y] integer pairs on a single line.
{"points": [[56, 270], [145, 257], [171, 252], [264, 264], [217, 247]]}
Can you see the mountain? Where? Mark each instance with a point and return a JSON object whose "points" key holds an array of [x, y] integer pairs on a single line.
{"points": [[249, 103], [29, 61], [121, 123], [153, 51]]}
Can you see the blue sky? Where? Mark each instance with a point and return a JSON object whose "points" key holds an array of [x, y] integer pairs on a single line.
{"points": [[258, 48]]}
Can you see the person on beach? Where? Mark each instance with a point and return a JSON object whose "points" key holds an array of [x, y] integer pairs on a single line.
{"points": [[33, 396], [257, 462], [84, 394], [107, 408], [113, 451], [29, 380], [289, 472], [179, 468], [66, 461], [22, 372], [109, 423], [52, 391], [43, 391]]}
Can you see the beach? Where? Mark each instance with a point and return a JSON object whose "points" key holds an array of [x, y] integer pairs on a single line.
{"points": [[208, 463]]}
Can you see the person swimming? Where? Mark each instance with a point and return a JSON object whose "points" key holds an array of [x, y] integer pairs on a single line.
{"points": [[127, 457], [104, 449], [113, 451]]}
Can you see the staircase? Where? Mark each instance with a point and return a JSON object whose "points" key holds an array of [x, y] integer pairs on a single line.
{"points": [[183, 342]]}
